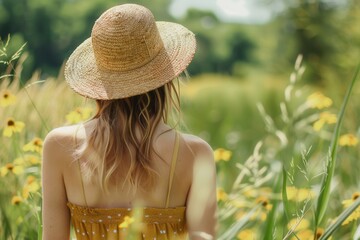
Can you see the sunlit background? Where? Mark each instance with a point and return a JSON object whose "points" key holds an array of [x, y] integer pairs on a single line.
{"points": [[265, 89]]}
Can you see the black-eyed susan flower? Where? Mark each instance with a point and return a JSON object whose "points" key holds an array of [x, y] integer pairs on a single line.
{"points": [[12, 126], [319, 233], [78, 115], [298, 224], [127, 221], [348, 140], [264, 209], [27, 160], [222, 154], [324, 118], [16, 200], [32, 185], [248, 234], [7, 98], [221, 195], [304, 235], [318, 100], [299, 194], [34, 145], [11, 168], [347, 203]]}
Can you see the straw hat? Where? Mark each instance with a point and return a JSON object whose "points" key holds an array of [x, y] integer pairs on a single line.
{"points": [[128, 54]]}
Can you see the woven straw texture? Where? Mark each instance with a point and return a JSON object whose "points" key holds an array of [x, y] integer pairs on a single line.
{"points": [[128, 54]]}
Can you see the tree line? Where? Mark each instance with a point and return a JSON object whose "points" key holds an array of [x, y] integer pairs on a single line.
{"points": [[325, 33]]}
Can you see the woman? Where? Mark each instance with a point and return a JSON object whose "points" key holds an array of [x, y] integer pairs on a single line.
{"points": [[126, 157]]}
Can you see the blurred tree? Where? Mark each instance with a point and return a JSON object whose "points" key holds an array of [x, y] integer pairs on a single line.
{"points": [[318, 29], [220, 45], [53, 29]]}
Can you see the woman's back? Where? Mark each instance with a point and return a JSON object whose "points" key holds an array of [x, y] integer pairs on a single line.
{"points": [[124, 196], [95, 214]]}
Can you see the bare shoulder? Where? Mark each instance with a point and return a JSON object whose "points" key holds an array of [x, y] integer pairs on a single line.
{"points": [[62, 135], [199, 147], [59, 143]]}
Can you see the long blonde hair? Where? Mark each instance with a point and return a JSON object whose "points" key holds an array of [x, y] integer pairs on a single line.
{"points": [[120, 147]]}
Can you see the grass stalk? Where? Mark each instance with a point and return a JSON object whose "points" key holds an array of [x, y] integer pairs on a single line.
{"points": [[341, 218], [323, 199]]}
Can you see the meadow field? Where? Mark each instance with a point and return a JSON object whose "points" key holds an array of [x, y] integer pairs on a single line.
{"points": [[287, 153]]}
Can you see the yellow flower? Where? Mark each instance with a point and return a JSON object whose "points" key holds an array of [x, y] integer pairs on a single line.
{"points": [[7, 98], [16, 200], [127, 221], [78, 115], [319, 233], [348, 140], [222, 154], [304, 235], [319, 101], [12, 126], [265, 207], [27, 160], [299, 194], [356, 214], [221, 194], [324, 117], [297, 224], [34, 146], [9, 167], [248, 234], [31, 186]]}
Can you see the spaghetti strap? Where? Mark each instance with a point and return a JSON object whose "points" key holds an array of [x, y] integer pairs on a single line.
{"points": [[172, 168], [81, 178]]}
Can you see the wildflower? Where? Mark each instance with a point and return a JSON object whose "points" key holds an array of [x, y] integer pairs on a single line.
{"points": [[31, 186], [127, 221], [27, 160], [297, 224], [34, 146], [78, 115], [356, 214], [16, 200], [11, 168], [298, 194], [7, 98], [319, 233], [318, 100], [348, 140], [304, 235], [221, 195], [265, 207], [12, 126], [247, 234], [222, 154], [324, 117]]}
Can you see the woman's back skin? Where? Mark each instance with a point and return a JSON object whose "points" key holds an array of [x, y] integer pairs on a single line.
{"points": [[193, 183]]}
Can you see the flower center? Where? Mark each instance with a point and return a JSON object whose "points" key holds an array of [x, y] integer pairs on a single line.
{"points": [[11, 123], [6, 95], [355, 196], [37, 142], [9, 166]]}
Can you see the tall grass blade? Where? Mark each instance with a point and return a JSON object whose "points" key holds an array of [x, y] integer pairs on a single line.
{"points": [[323, 199], [357, 234], [341, 218], [270, 219], [284, 196], [6, 225]]}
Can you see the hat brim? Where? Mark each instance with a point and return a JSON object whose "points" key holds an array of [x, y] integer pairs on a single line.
{"points": [[86, 78]]}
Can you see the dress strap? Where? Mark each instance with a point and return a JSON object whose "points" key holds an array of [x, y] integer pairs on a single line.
{"points": [[172, 168], [79, 167]]}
